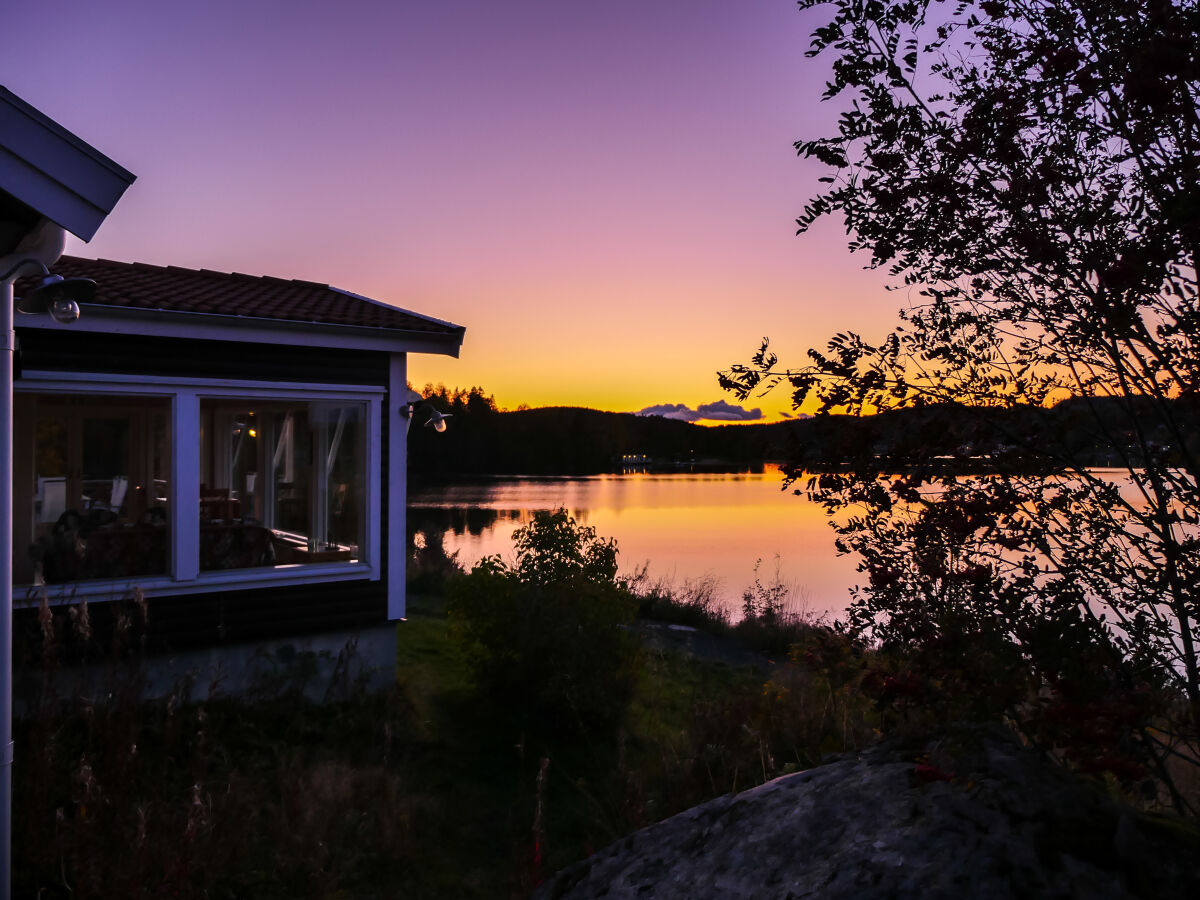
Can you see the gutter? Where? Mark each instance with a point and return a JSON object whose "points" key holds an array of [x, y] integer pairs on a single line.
{"points": [[104, 319]]}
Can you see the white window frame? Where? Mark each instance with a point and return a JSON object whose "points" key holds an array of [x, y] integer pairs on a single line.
{"points": [[184, 575]]}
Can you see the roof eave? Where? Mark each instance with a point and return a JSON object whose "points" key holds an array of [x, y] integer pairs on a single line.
{"points": [[213, 327], [382, 304]]}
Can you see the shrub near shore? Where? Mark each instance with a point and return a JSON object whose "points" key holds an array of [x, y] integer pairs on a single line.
{"points": [[551, 628]]}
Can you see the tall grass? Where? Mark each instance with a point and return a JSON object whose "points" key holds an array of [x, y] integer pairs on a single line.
{"points": [[696, 602], [774, 614], [119, 796]]}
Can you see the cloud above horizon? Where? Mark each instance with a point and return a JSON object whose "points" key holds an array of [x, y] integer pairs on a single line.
{"points": [[718, 411]]}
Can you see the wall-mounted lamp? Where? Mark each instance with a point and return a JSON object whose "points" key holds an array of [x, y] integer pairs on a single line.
{"points": [[436, 420], [58, 296]]}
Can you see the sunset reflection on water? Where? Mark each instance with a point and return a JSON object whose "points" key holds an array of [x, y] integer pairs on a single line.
{"points": [[685, 526]]}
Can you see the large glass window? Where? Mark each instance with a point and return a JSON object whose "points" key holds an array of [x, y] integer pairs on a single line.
{"points": [[90, 487], [281, 482]]}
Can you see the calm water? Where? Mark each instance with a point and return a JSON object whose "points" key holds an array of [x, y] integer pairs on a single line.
{"points": [[684, 526]]}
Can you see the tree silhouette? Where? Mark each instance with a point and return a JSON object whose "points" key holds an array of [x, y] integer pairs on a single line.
{"points": [[1028, 171]]}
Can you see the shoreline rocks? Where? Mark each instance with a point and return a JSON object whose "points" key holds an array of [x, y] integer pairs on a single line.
{"points": [[975, 815]]}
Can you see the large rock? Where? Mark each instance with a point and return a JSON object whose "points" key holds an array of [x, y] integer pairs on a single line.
{"points": [[976, 816]]}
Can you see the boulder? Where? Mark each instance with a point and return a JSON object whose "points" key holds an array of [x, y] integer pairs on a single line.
{"points": [[971, 816]]}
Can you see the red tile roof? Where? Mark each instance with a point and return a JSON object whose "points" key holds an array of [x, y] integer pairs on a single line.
{"points": [[172, 289]]}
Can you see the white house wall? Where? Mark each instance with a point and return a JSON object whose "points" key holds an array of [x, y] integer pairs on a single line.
{"points": [[397, 484]]}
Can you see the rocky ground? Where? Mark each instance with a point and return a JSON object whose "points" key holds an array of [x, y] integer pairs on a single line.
{"points": [[973, 815]]}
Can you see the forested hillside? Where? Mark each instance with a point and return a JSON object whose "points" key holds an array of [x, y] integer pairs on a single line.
{"points": [[575, 441], [564, 440]]}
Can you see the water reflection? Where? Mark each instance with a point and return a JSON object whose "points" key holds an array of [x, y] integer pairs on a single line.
{"points": [[456, 520], [682, 525]]}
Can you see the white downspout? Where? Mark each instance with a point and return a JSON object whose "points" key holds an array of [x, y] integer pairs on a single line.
{"points": [[45, 245]]}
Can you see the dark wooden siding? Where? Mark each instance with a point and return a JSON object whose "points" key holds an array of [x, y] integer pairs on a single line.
{"points": [[81, 351], [205, 620]]}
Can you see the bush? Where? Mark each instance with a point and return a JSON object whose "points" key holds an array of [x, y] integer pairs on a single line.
{"points": [[697, 602], [547, 637], [775, 615], [429, 565]]}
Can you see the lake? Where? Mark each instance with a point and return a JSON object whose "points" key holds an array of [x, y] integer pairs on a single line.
{"points": [[683, 526]]}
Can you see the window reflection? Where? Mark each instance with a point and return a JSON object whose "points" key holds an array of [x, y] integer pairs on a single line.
{"points": [[281, 483], [90, 487]]}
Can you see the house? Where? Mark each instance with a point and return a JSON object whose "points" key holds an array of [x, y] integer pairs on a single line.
{"points": [[231, 447]]}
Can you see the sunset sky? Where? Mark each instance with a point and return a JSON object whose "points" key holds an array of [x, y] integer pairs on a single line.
{"points": [[603, 193]]}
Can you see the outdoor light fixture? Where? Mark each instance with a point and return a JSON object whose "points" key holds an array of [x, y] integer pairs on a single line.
{"points": [[55, 295], [437, 419]]}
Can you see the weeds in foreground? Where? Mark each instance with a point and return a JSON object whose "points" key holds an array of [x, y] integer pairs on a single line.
{"points": [[775, 613], [119, 796], [705, 729], [697, 602]]}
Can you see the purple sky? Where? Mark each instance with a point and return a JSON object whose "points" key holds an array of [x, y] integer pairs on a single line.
{"points": [[603, 193]]}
